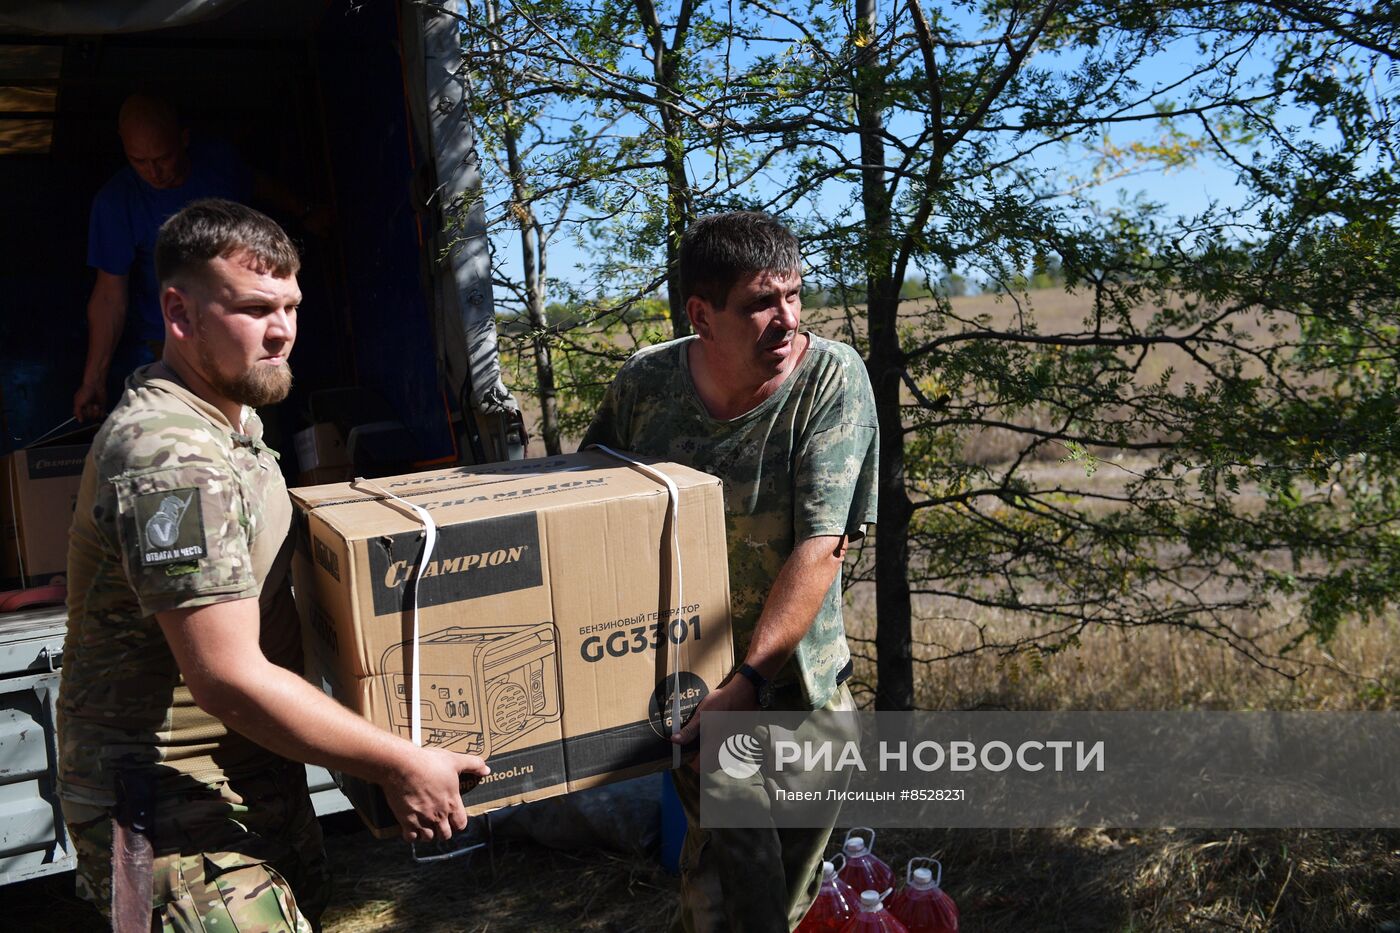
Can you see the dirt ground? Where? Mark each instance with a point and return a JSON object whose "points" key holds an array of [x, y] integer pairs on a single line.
{"points": [[1096, 881]]}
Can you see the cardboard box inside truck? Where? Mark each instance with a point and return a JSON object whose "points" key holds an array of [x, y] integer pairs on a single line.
{"points": [[321, 447], [549, 635], [38, 488]]}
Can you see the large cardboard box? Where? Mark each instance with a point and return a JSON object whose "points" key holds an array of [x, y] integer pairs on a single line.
{"points": [[549, 638], [40, 488]]}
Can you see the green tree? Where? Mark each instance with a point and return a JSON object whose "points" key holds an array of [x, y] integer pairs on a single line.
{"points": [[499, 112], [956, 127], [594, 112], [1228, 397]]}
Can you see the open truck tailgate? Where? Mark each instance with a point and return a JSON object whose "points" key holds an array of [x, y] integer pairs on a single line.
{"points": [[33, 841]]}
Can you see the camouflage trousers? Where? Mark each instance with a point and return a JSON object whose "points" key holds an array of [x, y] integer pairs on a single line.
{"points": [[240, 855], [749, 880]]}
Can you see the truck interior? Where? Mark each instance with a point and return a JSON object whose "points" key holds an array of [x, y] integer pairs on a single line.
{"points": [[396, 331], [315, 95]]}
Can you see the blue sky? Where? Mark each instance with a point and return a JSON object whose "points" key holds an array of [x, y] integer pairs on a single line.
{"points": [[1184, 191]]}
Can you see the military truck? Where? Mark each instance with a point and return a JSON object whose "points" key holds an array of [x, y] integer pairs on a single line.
{"points": [[355, 104]]}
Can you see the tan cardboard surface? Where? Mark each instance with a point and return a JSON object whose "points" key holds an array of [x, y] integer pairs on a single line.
{"points": [[320, 446], [546, 612], [40, 487]]}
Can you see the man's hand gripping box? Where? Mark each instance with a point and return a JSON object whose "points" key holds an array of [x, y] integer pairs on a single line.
{"points": [[555, 626]]}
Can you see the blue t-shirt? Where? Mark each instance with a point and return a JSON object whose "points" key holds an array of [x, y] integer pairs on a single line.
{"points": [[127, 214]]}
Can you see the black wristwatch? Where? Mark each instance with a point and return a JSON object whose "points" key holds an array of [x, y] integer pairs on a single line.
{"points": [[761, 686]]}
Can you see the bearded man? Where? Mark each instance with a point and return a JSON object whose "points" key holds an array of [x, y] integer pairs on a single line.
{"points": [[182, 715]]}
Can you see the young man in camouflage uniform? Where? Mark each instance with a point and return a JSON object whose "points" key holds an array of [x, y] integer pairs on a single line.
{"points": [[181, 693], [787, 420]]}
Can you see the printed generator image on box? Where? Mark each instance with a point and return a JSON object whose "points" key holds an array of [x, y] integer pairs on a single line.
{"points": [[557, 631], [509, 688]]}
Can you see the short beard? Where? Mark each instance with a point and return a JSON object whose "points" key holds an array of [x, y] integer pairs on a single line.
{"points": [[255, 387]]}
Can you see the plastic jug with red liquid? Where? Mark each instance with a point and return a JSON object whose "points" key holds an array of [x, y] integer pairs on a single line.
{"points": [[872, 917], [923, 906], [863, 871], [835, 904]]}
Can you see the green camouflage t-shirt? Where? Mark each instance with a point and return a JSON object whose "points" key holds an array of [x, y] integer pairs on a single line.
{"points": [[802, 464], [176, 509]]}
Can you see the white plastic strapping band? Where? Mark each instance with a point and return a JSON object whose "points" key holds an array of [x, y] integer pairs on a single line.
{"points": [[11, 468], [673, 496], [50, 432], [415, 711]]}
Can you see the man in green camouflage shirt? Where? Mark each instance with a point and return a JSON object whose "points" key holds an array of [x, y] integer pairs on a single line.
{"points": [[787, 420], [182, 710]]}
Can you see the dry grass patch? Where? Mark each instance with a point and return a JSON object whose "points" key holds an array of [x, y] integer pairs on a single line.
{"points": [[522, 887], [1148, 668], [1109, 880]]}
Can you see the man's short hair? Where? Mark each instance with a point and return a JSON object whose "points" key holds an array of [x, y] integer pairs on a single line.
{"points": [[718, 250], [212, 227]]}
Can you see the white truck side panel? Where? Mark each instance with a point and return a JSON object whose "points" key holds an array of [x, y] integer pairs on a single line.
{"points": [[33, 841]]}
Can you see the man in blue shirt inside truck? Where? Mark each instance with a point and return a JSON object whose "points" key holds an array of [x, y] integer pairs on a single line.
{"points": [[165, 171]]}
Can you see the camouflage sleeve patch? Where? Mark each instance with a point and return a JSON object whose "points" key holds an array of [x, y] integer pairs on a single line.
{"points": [[183, 537], [165, 531]]}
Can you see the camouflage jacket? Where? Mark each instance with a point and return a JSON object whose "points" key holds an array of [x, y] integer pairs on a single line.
{"points": [[801, 464], [176, 509]]}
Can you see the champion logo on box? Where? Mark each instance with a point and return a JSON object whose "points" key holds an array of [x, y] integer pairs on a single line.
{"points": [[58, 465], [472, 559], [55, 462], [401, 571]]}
